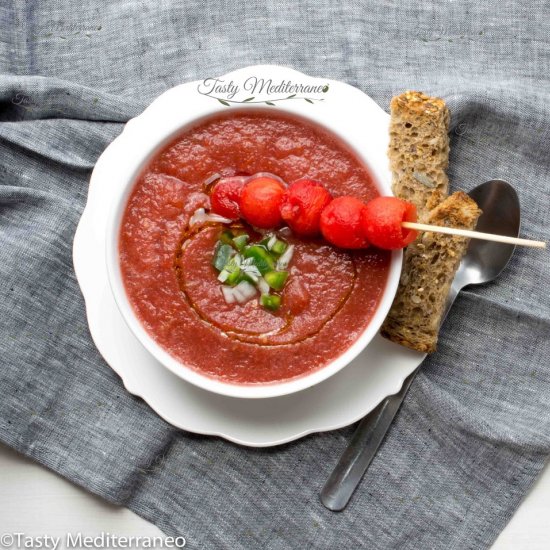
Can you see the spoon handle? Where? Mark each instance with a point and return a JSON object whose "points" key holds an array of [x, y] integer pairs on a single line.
{"points": [[362, 448], [367, 438]]}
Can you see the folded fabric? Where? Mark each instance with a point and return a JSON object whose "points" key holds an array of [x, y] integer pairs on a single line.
{"points": [[474, 431]]}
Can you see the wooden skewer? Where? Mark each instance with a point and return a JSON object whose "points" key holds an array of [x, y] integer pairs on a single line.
{"points": [[473, 234]]}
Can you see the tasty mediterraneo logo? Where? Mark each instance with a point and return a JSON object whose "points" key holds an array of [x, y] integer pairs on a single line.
{"points": [[260, 90]]}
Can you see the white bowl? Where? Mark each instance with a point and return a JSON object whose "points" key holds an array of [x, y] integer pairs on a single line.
{"points": [[343, 110]]}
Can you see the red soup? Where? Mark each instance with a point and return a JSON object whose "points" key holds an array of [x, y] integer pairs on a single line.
{"points": [[330, 296]]}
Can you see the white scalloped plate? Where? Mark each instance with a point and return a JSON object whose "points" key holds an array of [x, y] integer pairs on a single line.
{"points": [[342, 399]]}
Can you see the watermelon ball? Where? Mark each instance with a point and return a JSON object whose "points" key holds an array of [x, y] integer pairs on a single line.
{"points": [[261, 202], [302, 205], [225, 199], [382, 219], [341, 223]]}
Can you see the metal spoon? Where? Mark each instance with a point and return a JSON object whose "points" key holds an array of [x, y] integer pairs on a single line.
{"points": [[483, 262]]}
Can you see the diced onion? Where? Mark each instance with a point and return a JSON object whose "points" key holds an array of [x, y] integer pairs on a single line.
{"points": [[247, 290], [238, 296], [222, 277], [228, 295], [262, 285], [200, 216], [284, 260], [217, 218], [252, 275], [237, 259], [212, 179], [250, 269], [241, 293], [285, 231]]}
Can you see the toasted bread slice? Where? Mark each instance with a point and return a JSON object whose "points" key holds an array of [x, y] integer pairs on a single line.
{"points": [[429, 267], [419, 150]]}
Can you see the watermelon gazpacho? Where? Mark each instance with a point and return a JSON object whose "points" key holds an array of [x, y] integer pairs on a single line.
{"points": [[241, 248]]}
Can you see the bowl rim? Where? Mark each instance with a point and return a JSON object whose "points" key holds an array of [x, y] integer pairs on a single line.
{"points": [[145, 135]]}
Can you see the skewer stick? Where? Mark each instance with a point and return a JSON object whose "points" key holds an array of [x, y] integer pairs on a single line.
{"points": [[473, 234]]}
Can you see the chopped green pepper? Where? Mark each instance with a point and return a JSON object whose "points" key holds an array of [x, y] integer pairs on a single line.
{"points": [[276, 279], [226, 237], [270, 301], [279, 247], [238, 261], [265, 240], [240, 242], [234, 277], [222, 254], [261, 257], [233, 270]]}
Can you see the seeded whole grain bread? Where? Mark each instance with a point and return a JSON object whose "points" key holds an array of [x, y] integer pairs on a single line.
{"points": [[429, 267], [419, 156], [419, 150]]}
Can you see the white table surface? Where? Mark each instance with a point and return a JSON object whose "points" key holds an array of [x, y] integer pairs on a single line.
{"points": [[37, 502]]}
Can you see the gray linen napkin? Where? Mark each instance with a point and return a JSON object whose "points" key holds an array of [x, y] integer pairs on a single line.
{"points": [[475, 429]]}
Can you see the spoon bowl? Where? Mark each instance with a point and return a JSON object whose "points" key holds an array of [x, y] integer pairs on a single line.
{"points": [[485, 260]]}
